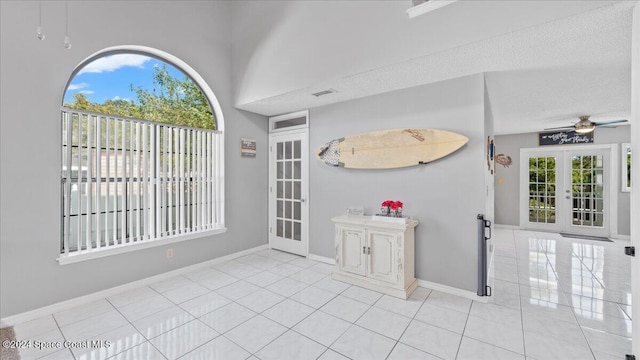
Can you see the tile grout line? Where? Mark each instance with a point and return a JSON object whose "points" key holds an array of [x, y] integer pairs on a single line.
{"points": [[261, 313], [130, 323]]}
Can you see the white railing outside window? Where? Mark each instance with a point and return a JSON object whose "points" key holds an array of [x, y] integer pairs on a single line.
{"points": [[128, 182]]}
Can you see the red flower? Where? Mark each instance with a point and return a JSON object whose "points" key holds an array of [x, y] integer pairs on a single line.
{"points": [[399, 204], [387, 203]]}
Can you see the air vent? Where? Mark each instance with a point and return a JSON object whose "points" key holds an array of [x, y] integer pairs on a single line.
{"points": [[324, 92]]}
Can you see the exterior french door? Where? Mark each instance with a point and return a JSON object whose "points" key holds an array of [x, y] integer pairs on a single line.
{"points": [[566, 191], [288, 207]]}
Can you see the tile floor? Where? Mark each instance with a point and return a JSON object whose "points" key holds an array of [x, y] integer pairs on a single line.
{"points": [[553, 298]]}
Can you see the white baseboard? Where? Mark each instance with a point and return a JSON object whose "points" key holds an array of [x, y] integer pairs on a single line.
{"points": [[621, 237], [453, 291], [67, 304], [322, 259], [510, 227]]}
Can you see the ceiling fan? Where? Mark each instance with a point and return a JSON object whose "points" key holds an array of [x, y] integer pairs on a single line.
{"points": [[584, 125]]}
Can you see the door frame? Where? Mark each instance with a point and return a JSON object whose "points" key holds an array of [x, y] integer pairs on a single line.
{"points": [[612, 192], [274, 134], [635, 176]]}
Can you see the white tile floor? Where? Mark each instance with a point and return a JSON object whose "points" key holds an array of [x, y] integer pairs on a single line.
{"points": [[553, 298]]}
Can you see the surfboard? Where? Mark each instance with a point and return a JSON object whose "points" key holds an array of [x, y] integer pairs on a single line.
{"points": [[388, 149]]}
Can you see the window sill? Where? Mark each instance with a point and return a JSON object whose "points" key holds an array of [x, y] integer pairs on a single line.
{"points": [[121, 249]]}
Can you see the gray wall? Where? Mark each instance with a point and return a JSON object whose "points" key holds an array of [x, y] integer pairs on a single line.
{"points": [[445, 195], [507, 208], [34, 74]]}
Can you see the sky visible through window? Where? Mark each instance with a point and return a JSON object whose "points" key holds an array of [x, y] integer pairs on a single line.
{"points": [[111, 77]]}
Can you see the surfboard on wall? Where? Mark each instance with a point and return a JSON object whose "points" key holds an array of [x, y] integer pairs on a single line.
{"points": [[388, 149]]}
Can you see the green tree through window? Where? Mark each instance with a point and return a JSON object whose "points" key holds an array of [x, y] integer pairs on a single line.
{"points": [[171, 100]]}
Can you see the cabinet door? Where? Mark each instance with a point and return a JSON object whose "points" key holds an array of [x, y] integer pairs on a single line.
{"points": [[351, 249], [383, 258]]}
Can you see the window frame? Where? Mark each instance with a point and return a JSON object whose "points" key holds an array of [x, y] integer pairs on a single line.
{"points": [[625, 177], [219, 202]]}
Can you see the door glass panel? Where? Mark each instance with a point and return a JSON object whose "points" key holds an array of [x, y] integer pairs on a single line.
{"points": [[287, 170], [280, 150], [287, 209], [287, 229], [542, 189], [297, 231], [287, 150], [297, 190], [297, 149], [297, 169], [587, 197], [280, 228], [287, 190], [280, 208], [296, 211]]}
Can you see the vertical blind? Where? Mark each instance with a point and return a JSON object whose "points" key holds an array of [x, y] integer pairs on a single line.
{"points": [[127, 181]]}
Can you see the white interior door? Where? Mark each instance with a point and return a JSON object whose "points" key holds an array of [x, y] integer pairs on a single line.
{"points": [[566, 190], [288, 189]]}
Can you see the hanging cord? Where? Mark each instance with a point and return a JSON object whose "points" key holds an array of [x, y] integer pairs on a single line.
{"points": [[39, 33], [67, 40]]}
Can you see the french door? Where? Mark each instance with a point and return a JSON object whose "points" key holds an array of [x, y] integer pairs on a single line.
{"points": [[567, 190], [288, 188]]}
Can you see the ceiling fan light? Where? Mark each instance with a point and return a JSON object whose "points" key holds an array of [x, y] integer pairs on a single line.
{"points": [[584, 129]]}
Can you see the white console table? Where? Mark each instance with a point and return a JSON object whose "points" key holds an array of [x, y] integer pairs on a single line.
{"points": [[377, 254]]}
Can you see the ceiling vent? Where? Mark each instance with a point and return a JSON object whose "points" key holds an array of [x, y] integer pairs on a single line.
{"points": [[424, 6], [324, 92]]}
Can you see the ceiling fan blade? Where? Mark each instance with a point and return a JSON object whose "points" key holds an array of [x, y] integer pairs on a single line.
{"points": [[561, 128], [601, 123]]}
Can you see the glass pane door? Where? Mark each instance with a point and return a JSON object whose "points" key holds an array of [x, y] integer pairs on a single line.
{"points": [[587, 195], [542, 189], [288, 188], [566, 191], [588, 189], [289, 185]]}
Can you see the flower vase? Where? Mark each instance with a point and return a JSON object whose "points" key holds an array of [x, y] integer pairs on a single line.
{"points": [[384, 211], [399, 212], [394, 213]]}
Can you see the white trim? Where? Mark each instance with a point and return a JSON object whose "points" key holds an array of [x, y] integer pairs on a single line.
{"points": [[322, 259], [624, 147], [621, 237], [129, 247], [635, 176], [509, 227], [561, 151], [81, 300], [453, 291]]}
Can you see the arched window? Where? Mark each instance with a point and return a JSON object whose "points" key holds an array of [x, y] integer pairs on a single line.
{"points": [[142, 154]]}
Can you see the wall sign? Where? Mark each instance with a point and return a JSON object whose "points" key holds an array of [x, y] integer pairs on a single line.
{"points": [[564, 138], [248, 148]]}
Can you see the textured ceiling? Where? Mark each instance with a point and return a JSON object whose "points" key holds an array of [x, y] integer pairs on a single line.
{"points": [[542, 76]]}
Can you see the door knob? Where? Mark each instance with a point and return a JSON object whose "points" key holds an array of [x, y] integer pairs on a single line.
{"points": [[567, 197], [303, 200]]}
